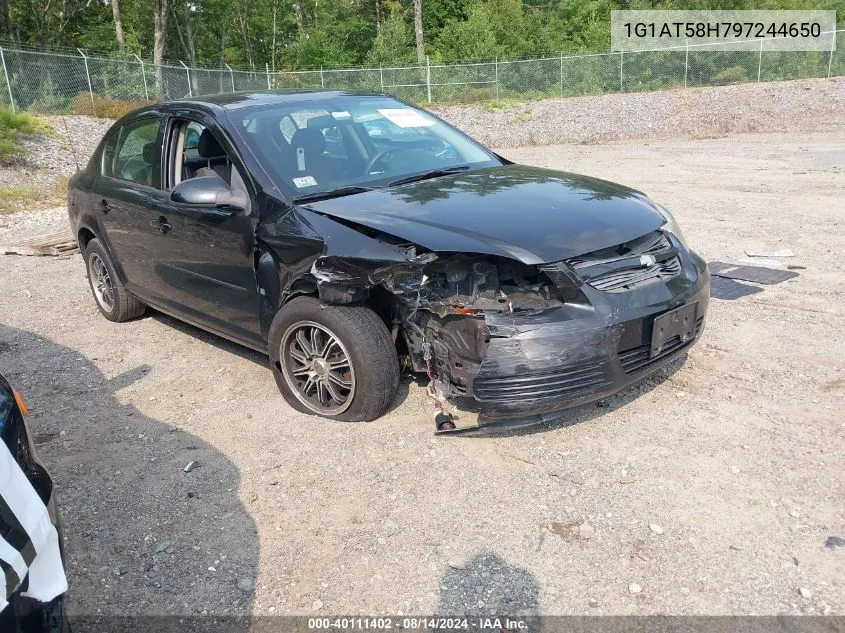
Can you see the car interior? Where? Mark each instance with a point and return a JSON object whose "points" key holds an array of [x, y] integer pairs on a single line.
{"points": [[325, 148]]}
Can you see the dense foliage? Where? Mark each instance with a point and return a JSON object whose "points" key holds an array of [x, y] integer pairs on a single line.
{"points": [[334, 33]]}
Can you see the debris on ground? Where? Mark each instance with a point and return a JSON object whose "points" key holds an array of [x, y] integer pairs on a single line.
{"points": [[755, 274], [784, 252], [833, 542], [192, 465]]}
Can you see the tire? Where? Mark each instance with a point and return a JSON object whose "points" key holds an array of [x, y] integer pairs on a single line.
{"points": [[112, 299], [366, 384]]}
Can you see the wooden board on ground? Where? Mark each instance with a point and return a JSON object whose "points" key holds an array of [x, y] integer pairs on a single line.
{"points": [[62, 243]]}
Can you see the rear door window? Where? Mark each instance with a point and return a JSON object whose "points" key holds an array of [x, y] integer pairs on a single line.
{"points": [[134, 154]]}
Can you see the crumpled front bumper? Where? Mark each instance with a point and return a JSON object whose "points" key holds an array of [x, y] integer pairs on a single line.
{"points": [[538, 365]]}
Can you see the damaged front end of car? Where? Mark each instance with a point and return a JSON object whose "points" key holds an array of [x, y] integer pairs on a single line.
{"points": [[505, 343]]}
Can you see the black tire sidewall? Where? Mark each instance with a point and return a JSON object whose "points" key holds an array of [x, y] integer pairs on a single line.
{"points": [[373, 379], [125, 306]]}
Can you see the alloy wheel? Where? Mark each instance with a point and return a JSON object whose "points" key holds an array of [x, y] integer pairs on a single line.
{"points": [[317, 367], [101, 282]]}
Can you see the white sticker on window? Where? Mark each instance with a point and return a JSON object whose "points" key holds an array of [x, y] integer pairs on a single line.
{"points": [[343, 114], [406, 117], [305, 181]]}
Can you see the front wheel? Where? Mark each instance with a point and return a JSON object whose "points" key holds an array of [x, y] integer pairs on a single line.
{"points": [[334, 361]]}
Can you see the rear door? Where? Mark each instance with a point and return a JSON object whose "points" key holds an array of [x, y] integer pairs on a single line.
{"points": [[205, 261], [129, 195]]}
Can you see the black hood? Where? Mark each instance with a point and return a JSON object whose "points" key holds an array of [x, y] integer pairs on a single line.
{"points": [[531, 214]]}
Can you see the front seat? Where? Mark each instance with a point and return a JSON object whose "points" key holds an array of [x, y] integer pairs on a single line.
{"points": [[309, 146], [217, 161]]}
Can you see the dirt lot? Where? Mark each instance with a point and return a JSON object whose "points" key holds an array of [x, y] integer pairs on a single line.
{"points": [[711, 489]]}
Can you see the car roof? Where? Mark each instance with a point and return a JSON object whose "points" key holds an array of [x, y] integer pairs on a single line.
{"points": [[237, 100]]}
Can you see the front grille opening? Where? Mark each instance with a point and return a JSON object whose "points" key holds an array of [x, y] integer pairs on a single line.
{"points": [[541, 385], [624, 267]]}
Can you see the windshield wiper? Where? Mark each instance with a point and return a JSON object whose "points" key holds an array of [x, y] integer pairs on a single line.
{"points": [[331, 193], [434, 173]]}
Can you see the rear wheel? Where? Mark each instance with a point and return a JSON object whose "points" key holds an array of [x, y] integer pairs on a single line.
{"points": [[334, 361], [112, 299]]}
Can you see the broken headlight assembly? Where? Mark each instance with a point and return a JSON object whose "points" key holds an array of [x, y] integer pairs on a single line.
{"points": [[671, 225]]}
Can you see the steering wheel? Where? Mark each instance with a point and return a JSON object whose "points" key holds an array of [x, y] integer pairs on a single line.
{"points": [[379, 156]]}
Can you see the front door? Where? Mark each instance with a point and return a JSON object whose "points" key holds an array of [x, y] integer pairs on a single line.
{"points": [[205, 254]]}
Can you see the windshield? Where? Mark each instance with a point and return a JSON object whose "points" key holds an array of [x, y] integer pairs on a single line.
{"points": [[312, 147]]}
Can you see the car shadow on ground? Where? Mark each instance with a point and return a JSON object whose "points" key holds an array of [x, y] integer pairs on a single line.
{"points": [[487, 586], [142, 536], [208, 337]]}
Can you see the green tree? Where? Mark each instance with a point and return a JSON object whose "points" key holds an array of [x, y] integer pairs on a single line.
{"points": [[394, 43]]}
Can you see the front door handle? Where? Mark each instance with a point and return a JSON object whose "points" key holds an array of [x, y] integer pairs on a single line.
{"points": [[104, 206], [161, 224]]}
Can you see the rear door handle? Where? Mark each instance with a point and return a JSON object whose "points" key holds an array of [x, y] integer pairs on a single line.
{"points": [[161, 224], [104, 206]]}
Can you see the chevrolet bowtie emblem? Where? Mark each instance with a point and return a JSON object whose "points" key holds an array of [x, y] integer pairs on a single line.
{"points": [[647, 260]]}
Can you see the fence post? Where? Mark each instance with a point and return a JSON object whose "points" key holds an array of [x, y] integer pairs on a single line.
{"points": [[561, 73], [188, 73], [144, 77], [497, 78], [686, 63], [88, 76], [829, 59], [322, 79], [231, 76], [621, 65], [760, 61], [8, 80], [381, 76], [267, 70], [428, 77]]}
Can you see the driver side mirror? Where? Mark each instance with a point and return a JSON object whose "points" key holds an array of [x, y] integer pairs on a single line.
{"points": [[208, 191]]}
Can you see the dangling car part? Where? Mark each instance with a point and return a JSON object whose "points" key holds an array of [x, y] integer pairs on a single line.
{"points": [[33, 580], [348, 235]]}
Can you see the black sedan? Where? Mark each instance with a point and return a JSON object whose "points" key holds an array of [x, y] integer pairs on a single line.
{"points": [[350, 236], [33, 579]]}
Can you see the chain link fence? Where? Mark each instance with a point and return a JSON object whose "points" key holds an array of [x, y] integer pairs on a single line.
{"points": [[62, 83]]}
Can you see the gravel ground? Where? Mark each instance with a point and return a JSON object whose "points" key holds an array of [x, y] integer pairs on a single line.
{"points": [[71, 143], [710, 489], [807, 105]]}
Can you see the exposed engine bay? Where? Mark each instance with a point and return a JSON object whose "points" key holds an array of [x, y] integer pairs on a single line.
{"points": [[437, 305]]}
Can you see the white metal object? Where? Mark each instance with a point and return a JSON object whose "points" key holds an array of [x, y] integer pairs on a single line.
{"points": [[267, 71], [88, 77], [621, 76], [144, 77], [232, 77], [188, 73], [686, 64], [9, 80], [428, 77], [760, 61], [830, 57], [497, 78], [561, 74]]}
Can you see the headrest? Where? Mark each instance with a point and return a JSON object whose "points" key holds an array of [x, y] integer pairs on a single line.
{"points": [[208, 147], [309, 139], [148, 152], [322, 121]]}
